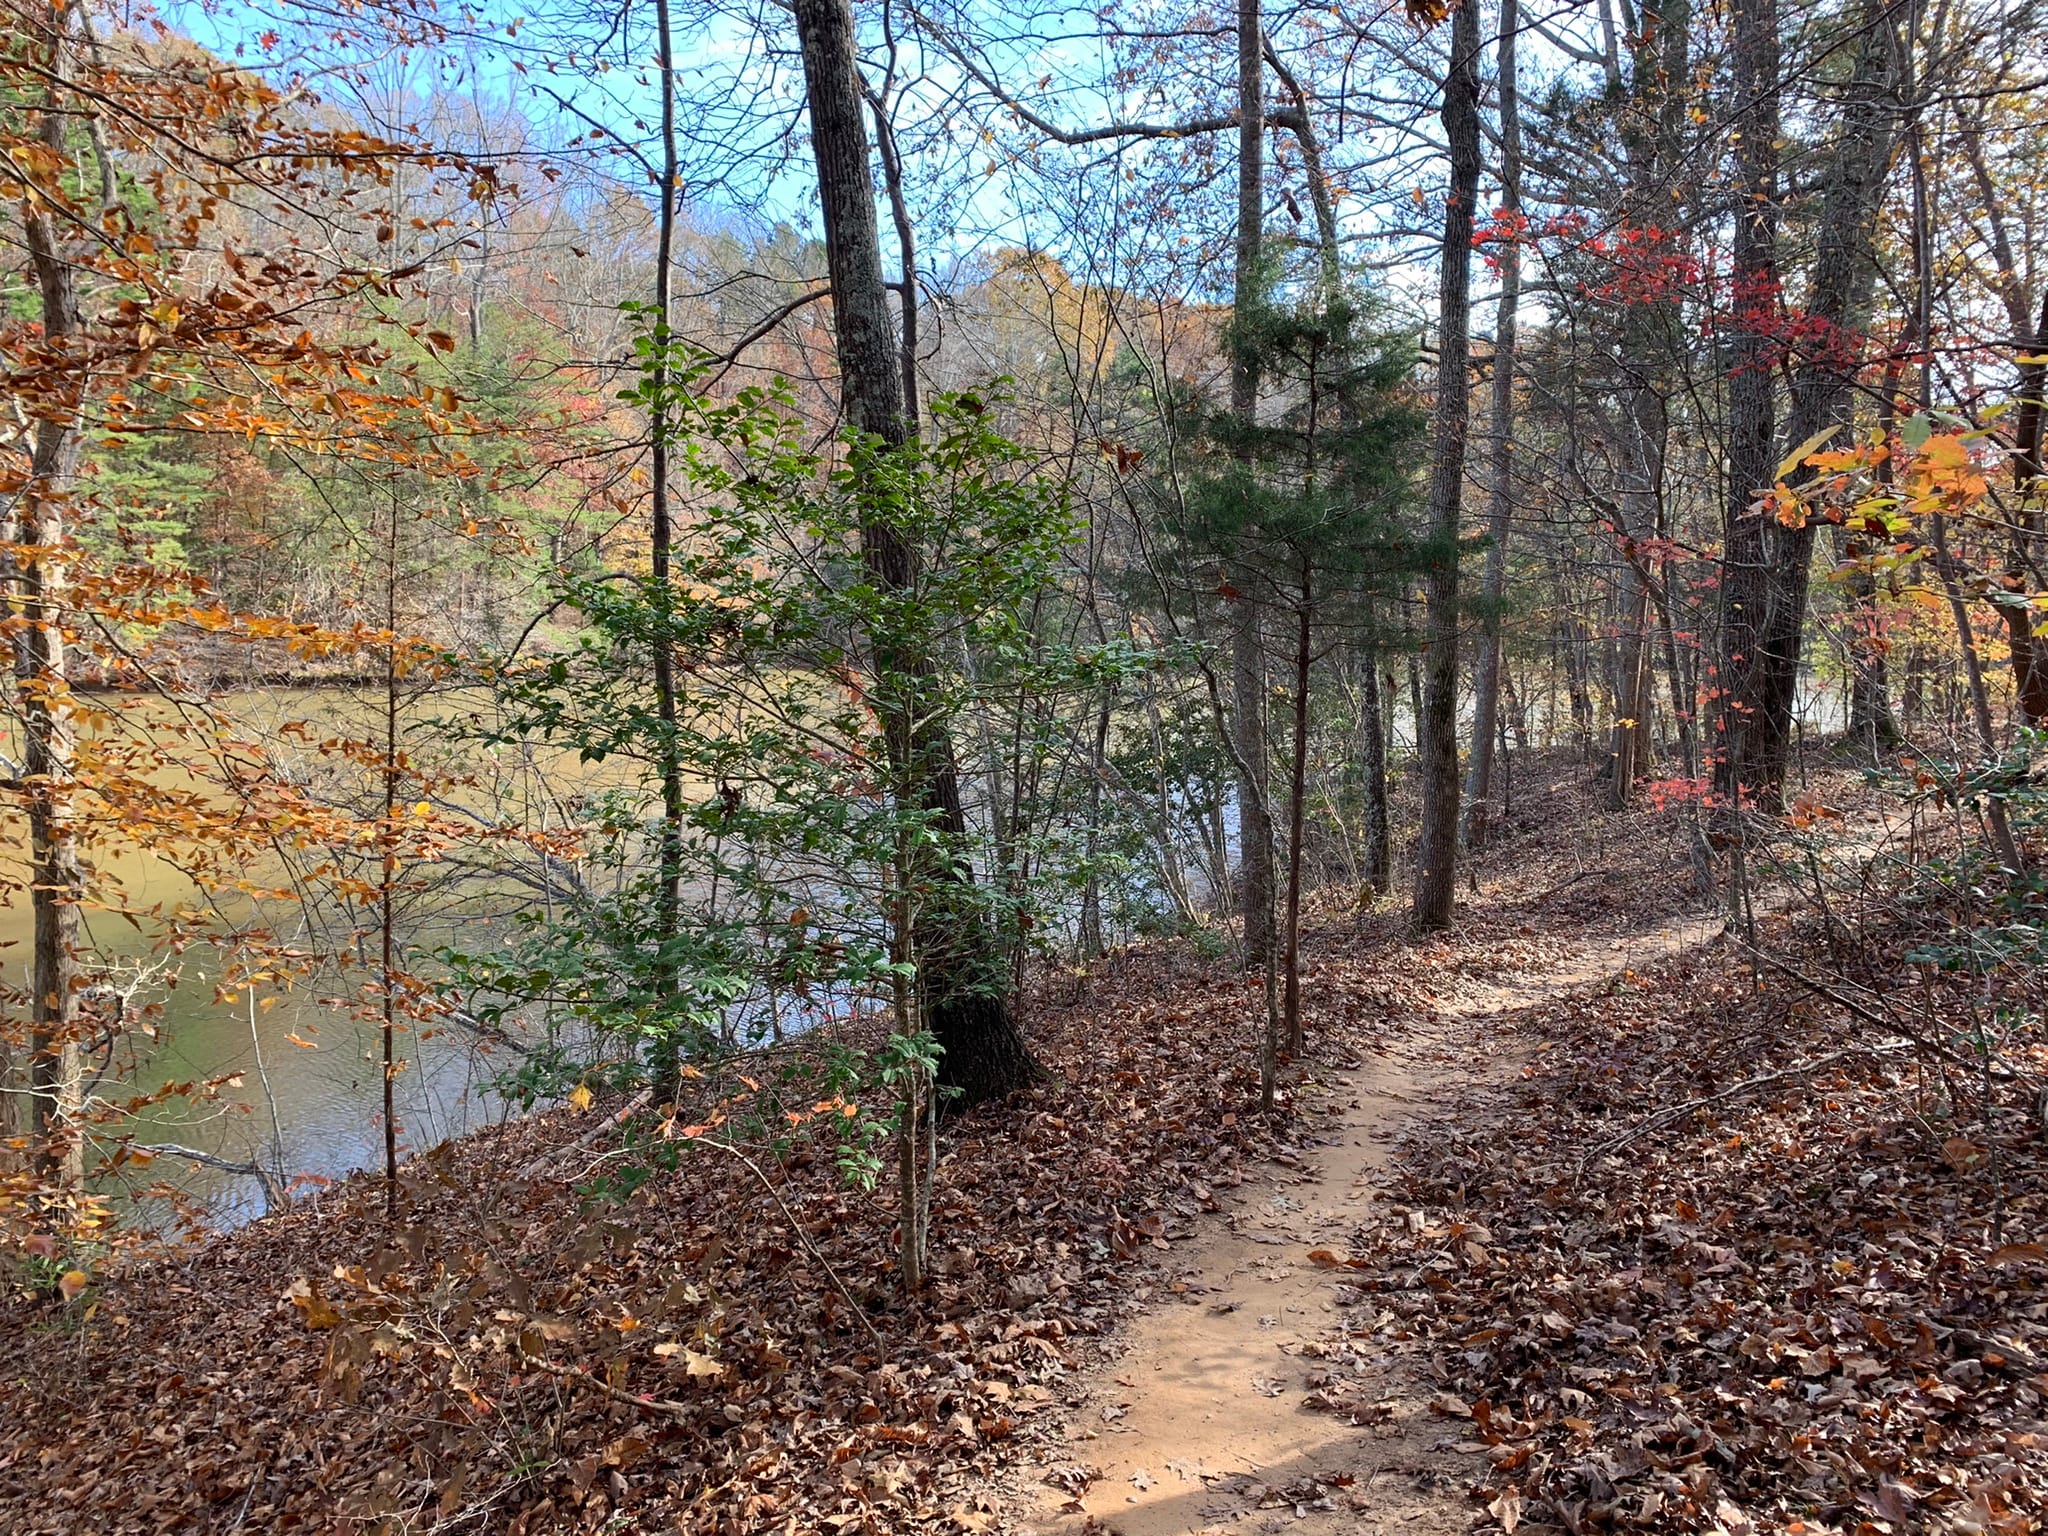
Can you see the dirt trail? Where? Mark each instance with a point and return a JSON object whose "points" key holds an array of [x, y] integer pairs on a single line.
{"points": [[1201, 1423]]}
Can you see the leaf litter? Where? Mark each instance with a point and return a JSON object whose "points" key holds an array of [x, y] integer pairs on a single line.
{"points": [[509, 1358], [1790, 1309]]}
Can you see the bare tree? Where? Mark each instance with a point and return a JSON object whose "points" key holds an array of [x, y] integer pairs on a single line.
{"points": [[1500, 440], [1437, 855]]}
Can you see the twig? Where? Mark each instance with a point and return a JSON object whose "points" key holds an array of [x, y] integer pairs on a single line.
{"points": [[802, 1236], [597, 1383], [562, 1154], [1677, 1112], [1868, 1015], [269, 1097], [273, 1193], [1584, 874]]}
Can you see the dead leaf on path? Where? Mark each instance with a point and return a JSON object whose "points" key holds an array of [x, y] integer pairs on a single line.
{"points": [[1070, 1477], [1507, 1509], [1895, 1501], [1733, 1518]]}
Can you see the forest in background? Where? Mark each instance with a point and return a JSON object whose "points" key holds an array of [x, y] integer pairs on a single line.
{"points": [[694, 558]]}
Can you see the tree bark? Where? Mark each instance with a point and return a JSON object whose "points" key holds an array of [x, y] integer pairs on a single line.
{"points": [[668, 907], [1486, 670], [1654, 130], [959, 967], [2027, 644], [1297, 797], [1437, 731], [1738, 763], [1254, 806], [55, 1065], [1379, 842], [1768, 567], [1247, 642]]}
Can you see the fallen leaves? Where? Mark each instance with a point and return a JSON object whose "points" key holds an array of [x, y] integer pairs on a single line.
{"points": [[470, 1364], [687, 1333], [1789, 1312]]}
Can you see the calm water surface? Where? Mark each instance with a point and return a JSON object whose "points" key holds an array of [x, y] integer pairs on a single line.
{"points": [[309, 1107]]}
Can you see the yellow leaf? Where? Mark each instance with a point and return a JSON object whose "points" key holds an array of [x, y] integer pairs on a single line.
{"points": [[75, 1281], [580, 1096], [314, 1308], [1798, 455], [1945, 452]]}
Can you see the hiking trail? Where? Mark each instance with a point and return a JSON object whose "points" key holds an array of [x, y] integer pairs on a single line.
{"points": [[1199, 1415]]}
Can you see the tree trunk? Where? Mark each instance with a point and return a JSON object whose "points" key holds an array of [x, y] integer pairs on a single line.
{"points": [[960, 968], [1088, 935], [1297, 796], [1248, 659], [1769, 566], [906, 245], [1379, 841], [1437, 731], [1680, 683], [1870, 720], [1254, 807], [1576, 642], [1486, 670], [2028, 644], [1631, 684], [1654, 127], [1247, 644], [668, 910], [1739, 751], [42, 686]]}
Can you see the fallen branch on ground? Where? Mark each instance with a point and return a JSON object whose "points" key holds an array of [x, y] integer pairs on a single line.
{"points": [[1678, 1112], [584, 1378], [562, 1154]]}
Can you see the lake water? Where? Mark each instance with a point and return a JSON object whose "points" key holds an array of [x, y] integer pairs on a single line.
{"points": [[309, 1098]]}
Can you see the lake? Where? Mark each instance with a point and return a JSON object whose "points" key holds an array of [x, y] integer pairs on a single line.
{"points": [[309, 1097]]}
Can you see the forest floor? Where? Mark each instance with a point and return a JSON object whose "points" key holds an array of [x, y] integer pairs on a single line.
{"points": [[1571, 1220]]}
